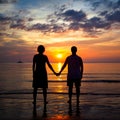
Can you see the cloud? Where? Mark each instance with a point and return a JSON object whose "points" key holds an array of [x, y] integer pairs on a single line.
{"points": [[3, 18], [64, 19], [113, 16], [104, 4], [41, 27], [76, 20], [46, 28], [103, 13], [95, 23], [74, 16], [7, 1], [117, 5], [18, 23], [74, 26], [12, 22]]}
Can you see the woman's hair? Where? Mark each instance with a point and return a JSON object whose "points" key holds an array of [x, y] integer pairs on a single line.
{"points": [[41, 49]]}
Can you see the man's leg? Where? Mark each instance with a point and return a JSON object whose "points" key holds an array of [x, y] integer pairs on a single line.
{"points": [[77, 93], [70, 93]]}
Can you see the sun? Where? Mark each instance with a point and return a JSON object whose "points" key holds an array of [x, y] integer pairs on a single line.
{"points": [[59, 55]]}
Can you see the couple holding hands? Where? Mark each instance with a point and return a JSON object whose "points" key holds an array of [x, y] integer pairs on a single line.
{"points": [[40, 80]]}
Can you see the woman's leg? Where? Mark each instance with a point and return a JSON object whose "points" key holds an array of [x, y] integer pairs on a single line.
{"points": [[34, 95], [45, 95]]}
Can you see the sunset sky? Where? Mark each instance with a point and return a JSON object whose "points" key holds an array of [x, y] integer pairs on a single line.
{"points": [[91, 25]]}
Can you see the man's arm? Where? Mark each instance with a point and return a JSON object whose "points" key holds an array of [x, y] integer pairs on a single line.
{"points": [[64, 65], [81, 68]]}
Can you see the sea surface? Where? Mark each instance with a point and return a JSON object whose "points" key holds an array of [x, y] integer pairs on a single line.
{"points": [[99, 100], [98, 79]]}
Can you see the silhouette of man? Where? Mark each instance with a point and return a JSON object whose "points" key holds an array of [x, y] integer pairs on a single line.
{"points": [[40, 79], [75, 72]]}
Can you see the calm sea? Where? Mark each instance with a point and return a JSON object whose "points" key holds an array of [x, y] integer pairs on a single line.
{"points": [[98, 79]]}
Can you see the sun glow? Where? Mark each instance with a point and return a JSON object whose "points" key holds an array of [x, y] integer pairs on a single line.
{"points": [[59, 56]]}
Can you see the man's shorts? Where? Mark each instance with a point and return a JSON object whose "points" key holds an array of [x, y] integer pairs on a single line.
{"points": [[77, 82]]}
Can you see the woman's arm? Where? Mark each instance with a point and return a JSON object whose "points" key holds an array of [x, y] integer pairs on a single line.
{"points": [[50, 66]]}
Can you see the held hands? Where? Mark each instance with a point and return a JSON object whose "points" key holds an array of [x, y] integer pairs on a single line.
{"points": [[57, 74]]}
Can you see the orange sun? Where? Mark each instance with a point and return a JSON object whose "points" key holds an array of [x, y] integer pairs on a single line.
{"points": [[59, 55]]}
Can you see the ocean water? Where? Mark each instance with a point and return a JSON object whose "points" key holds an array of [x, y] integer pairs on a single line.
{"points": [[98, 79], [99, 100]]}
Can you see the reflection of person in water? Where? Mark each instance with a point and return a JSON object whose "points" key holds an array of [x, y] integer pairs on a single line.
{"points": [[40, 79], [75, 72]]}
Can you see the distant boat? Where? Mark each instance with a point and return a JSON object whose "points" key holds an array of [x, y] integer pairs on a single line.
{"points": [[20, 61]]}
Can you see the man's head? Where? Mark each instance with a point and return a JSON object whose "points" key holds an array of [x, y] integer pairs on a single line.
{"points": [[73, 49]]}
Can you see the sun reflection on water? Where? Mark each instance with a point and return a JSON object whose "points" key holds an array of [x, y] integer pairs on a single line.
{"points": [[59, 66], [60, 88]]}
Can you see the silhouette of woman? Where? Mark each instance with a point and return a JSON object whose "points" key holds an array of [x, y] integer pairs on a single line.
{"points": [[40, 79]]}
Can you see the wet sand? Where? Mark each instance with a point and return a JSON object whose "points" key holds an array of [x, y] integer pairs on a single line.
{"points": [[20, 107]]}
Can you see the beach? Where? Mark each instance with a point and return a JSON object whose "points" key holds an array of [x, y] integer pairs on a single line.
{"points": [[20, 107], [99, 99]]}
